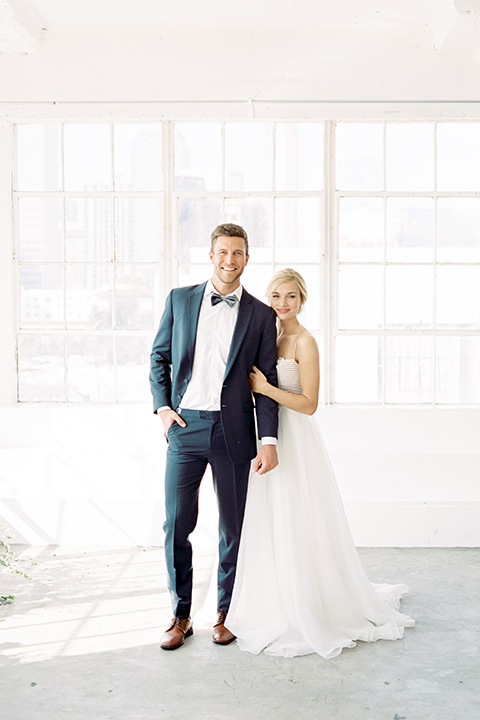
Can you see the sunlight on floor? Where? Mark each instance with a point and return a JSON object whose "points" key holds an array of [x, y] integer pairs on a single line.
{"points": [[90, 602]]}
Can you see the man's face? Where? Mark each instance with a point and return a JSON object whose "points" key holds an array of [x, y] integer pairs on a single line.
{"points": [[229, 261]]}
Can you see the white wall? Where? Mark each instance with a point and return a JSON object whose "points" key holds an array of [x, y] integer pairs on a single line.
{"points": [[94, 475]]}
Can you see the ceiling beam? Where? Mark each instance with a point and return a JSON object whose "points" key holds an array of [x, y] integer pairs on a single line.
{"points": [[21, 28], [442, 22]]}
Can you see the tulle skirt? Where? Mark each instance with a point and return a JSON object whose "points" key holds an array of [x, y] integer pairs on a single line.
{"points": [[300, 586]]}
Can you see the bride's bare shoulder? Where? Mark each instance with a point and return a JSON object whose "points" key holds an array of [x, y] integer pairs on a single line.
{"points": [[306, 344], [305, 339]]}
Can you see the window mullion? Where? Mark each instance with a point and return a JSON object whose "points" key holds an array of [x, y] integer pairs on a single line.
{"points": [[168, 258], [64, 273], [114, 269], [330, 259], [8, 265], [223, 158]]}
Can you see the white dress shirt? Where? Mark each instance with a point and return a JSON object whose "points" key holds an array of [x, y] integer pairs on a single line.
{"points": [[216, 324]]}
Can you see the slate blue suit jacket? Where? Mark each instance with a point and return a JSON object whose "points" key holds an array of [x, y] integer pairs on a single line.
{"points": [[253, 343]]}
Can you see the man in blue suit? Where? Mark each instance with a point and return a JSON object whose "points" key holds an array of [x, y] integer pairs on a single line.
{"points": [[209, 338]]}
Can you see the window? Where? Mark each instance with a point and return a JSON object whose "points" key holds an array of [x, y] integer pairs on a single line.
{"points": [[89, 207], [267, 177], [382, 219], [408, 263]]}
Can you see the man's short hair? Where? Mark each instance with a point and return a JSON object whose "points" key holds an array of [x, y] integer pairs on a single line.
{"points": [[229, 230]]}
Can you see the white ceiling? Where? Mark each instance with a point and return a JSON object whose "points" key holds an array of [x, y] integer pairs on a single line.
{"points": [[239, 50]]}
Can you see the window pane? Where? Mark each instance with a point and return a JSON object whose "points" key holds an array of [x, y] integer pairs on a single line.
{"points": [[360, 297], [256, 216], [41, 368], [90, 368], [133, 362], [359, 156], [198, 157], [256, 277], [361, 229], [358, 369], [138, 229], [458, 230], [137, 297], [299, 156], [194, 274], [458, 370], [138, 157], [39, 157], [41, 296], [89, 229], [197, 218], [89, 296], [409, 297], [410, 229], [409, 369], [410, 156], [458, 156], [458, 297], [311, 315], [88, 157], [298, 230], [248, 156], [40, 229]]}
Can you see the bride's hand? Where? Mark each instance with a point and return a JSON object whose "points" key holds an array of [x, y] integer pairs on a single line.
{"points": [[257, 381]]}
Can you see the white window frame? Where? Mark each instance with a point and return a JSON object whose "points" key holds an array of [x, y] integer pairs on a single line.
{"points": [[334, 263], [328, 267], [64, 195]]}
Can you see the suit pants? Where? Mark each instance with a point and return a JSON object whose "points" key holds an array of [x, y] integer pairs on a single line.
{"points": [[190, 450]]}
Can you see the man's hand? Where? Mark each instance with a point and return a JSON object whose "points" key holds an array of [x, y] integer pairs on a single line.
{"points": [[266, 459], [168, 417]]}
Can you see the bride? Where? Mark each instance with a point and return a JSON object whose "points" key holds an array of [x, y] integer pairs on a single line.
{"points": [[300, 587]]}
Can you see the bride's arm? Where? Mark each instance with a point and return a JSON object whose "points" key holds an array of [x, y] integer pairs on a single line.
{"points": [[308, 361]]}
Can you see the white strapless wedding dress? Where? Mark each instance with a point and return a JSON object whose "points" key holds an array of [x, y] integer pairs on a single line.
{"points": [[300, 587]]}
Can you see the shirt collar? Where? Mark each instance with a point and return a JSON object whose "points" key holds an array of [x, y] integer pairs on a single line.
{"points": [[209, 289]]}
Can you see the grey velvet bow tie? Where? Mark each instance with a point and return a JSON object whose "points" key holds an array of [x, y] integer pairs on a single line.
{"points": [[229, 299]]}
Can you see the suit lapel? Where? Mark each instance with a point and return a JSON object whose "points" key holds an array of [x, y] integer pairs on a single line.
{"points": [[192, 312], [245, 312]]}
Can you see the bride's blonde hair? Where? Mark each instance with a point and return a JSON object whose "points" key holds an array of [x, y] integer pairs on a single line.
{"points": [[288, 275]]}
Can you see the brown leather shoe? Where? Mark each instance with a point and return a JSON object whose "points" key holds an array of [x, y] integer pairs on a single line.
{"points": [[174, 637], [221, 634]]}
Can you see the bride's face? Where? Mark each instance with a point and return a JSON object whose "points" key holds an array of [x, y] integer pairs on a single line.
{"points": [[285, 300]]}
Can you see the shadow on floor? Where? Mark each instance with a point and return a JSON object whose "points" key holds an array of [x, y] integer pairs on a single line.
{"points": [[81, 641]]}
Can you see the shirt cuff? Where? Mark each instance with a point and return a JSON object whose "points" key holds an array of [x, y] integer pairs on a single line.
{"points": [[268, 440], [164, 407]]}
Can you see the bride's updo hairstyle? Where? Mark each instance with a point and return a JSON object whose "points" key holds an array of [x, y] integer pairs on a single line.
{"points": [[288, 275]]}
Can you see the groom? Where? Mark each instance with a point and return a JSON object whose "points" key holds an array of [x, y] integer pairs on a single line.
{"points": [[209, 338]]}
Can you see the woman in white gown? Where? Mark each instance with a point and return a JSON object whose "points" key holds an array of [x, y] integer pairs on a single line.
{"points": [[300, 587]]}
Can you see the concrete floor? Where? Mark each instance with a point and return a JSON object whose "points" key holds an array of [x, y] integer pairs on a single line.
{"points": [[81, 641]]}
